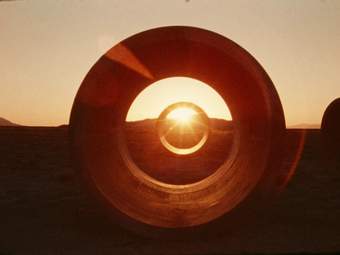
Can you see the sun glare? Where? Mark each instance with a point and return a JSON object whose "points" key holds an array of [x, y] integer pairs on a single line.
{"points": [[182, 115], [183, 128]]}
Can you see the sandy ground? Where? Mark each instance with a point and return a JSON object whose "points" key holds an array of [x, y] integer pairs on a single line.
{"points": [[43, 210]]}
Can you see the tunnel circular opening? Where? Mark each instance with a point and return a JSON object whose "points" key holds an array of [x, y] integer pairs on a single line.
{"points": [[179, 131]]}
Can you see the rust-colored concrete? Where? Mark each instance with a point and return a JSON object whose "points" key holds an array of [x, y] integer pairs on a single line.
{"points": [[331, 121], [141, 202], [330, 127]]}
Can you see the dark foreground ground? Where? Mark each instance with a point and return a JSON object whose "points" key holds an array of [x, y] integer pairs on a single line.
{"points": [[43, 210]]}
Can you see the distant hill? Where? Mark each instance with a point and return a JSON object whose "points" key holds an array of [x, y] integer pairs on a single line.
{"points": [[305, 126], [219, 124], [4, 122], [216, 124]]}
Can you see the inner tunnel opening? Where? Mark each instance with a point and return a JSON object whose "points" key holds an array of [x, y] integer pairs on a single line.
{"points": [[179, 130]]}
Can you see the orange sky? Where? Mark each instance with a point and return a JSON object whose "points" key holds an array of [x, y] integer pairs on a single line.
{"points": [[47, 47]]}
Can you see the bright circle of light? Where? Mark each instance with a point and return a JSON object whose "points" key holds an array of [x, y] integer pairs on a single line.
{"points": [[182, 112]]}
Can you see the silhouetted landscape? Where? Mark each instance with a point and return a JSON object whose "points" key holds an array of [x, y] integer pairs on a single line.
{"points": [[45, 210]]}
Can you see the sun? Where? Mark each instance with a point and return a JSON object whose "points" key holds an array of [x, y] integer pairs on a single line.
{"points": [[183, 128], [182, 115]]}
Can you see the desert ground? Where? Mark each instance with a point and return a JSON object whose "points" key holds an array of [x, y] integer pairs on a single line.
{"points": [[45, 210]]}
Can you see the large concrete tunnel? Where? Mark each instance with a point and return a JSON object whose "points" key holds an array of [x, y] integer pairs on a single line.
{"points": [[133, 198]]}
